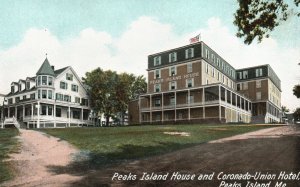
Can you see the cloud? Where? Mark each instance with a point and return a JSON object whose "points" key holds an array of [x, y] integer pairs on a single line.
{"points": [[128, 52]]}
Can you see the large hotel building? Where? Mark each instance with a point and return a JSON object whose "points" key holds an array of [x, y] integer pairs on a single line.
{"points": [[193, 84]]}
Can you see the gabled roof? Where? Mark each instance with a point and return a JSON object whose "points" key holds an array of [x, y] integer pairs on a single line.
{"points": [[45, 69], [21, 92], [59, 71]]}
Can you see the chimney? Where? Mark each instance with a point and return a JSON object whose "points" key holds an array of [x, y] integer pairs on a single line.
{"points": [[52, 68]]}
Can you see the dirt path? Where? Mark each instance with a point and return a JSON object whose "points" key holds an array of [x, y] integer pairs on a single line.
{"points": [[38, 152]]}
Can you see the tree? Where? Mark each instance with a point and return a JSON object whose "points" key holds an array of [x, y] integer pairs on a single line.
{"points": [[257, 18], [111, 92], [296, 114], [296, 90], [284, 109]]}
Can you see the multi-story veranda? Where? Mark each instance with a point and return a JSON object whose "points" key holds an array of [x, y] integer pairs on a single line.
{"points": [[212, 103], [47, 113]]}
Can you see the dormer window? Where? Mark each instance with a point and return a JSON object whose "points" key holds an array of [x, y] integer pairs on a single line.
{"points": [[69, 77], [12, 89], [173, 57], [27, 85], [189, 53], [157, 60], [20, 87]]}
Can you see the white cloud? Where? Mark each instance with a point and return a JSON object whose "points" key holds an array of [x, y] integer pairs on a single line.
{"points": [[129, 52]]}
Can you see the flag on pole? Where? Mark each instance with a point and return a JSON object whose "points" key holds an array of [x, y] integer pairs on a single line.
{"points": [[195, 39]]}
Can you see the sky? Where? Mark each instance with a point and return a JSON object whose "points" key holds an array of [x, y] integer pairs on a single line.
{"points": [[120, 34]]}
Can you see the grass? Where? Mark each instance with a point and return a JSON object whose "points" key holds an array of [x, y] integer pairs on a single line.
{"points": [[8, 144], [117, 144]]}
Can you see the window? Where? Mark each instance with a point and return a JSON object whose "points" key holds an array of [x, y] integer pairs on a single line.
{"points": [[50, 110], [172, 85], [238, 87], [223, 78], [218, 62], [58, 112], [173, 57], [10, 101], [67, 98], [74, 88], [189, 67], [20, 87], [157, 60], [39, 81], [32, 96], [172, 71], [258, 95], [59, 97], [190, 99], [27, 85], [213, 72], [245, 74], [207, 81], [206, 68], [207, 53], [84, 102], [69, 77], [258, 72], [258, 84], [213, 58], [157, 88], [189, 53], [245, 86], [172, 100], [44, 80], [218, 76], [157, 74], [39, 94], [76, 114], [77, 100], [222, 65], [44, 94], [240, 75], [44, 110], [50, 83], [24, 97], [157, 102], [12, 89], [63, 85], [189, 83], [50, 94]]}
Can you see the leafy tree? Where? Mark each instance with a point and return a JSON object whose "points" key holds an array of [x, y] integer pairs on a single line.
{"points": [[257, 18], [111, 92], [284, 109], [297, 114], [296, 90]]}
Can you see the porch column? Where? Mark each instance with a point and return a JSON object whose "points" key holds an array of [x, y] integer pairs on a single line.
{"points": [[8, 112], [54, 114], [81, 117], [175, 106], [231, 107], [203, 101], [162, 107], [225, 114], [189, 103], [38, 113], [150, 108], [220, 112], [69, 110]]}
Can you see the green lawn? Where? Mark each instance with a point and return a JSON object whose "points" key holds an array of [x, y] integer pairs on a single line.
{"points": [[8, 144], [117, 144]]}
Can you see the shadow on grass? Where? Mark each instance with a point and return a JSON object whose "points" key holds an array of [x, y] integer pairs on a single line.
{"points": [[85, 161]]}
